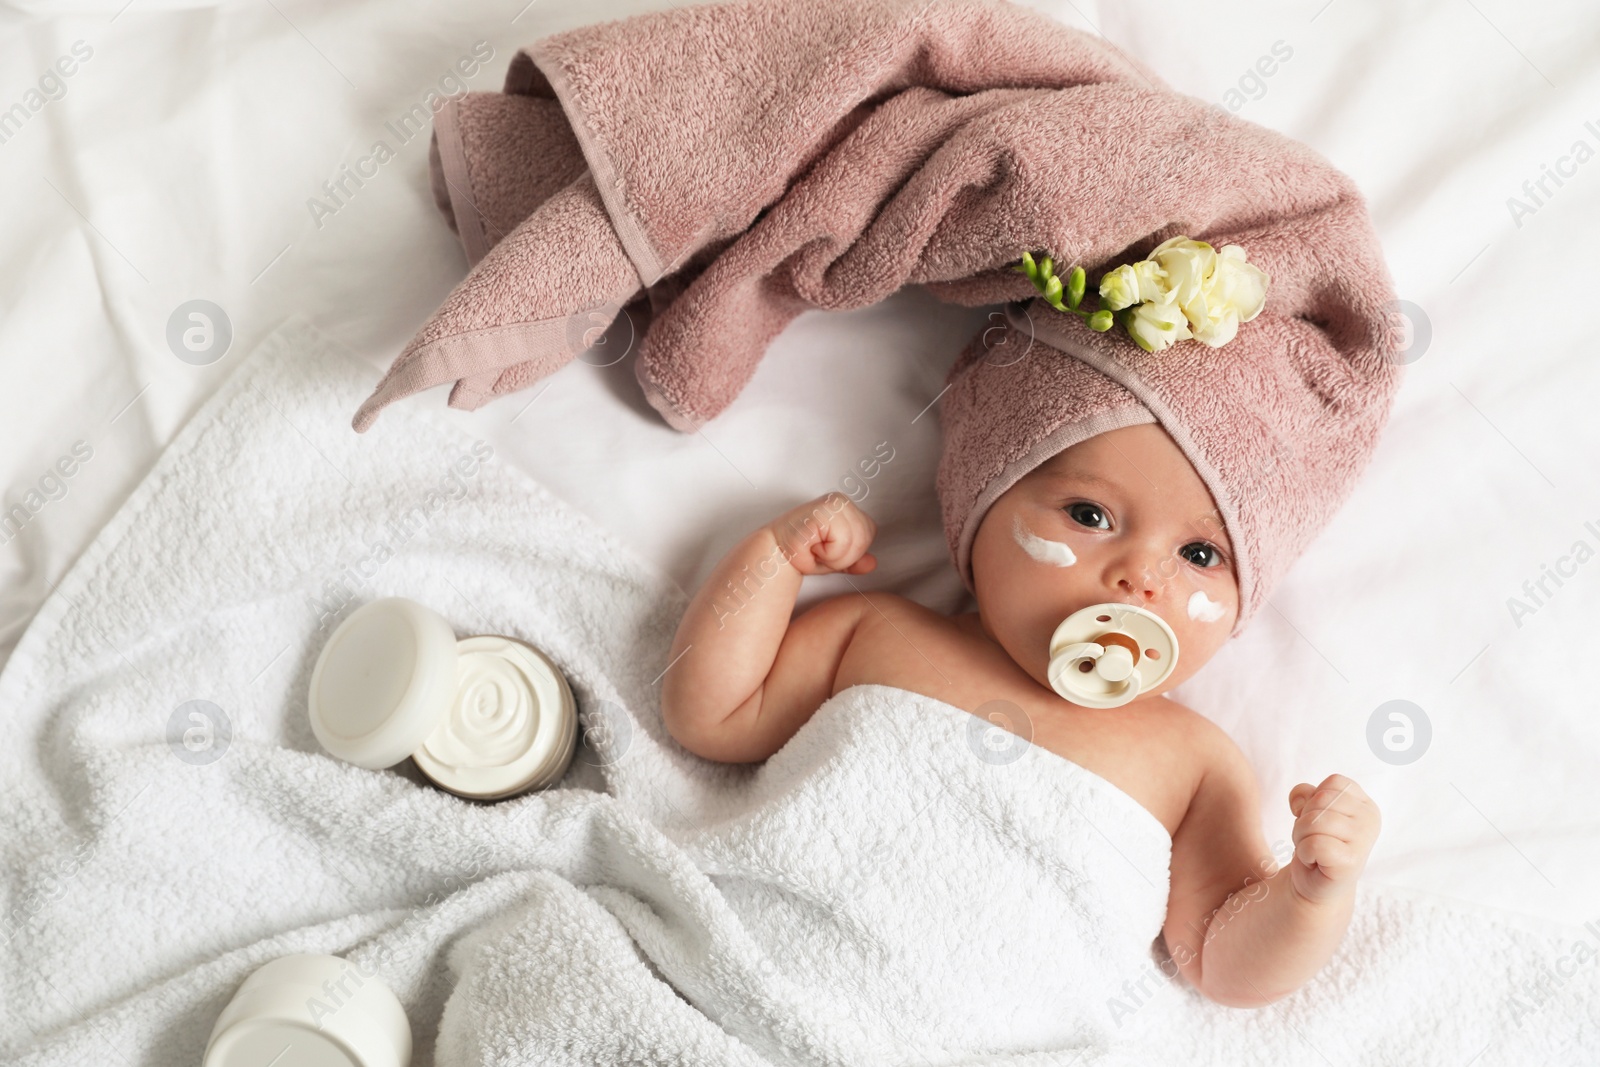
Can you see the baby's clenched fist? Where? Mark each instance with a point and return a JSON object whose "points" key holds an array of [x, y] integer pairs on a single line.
{"points": [[1335, 826], [827, 535]]}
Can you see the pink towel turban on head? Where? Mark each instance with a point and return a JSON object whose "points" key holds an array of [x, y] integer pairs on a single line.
{"points": [[1278, 422]]}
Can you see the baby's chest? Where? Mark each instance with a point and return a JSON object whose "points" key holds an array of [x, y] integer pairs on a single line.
{"points": [[1135, 748]]}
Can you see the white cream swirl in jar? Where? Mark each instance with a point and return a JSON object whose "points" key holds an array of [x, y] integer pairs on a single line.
{"points": [[511, 726]]}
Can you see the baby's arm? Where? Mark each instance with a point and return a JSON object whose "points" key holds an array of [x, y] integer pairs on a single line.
{"points": [[743, 677], [1243, 931]]}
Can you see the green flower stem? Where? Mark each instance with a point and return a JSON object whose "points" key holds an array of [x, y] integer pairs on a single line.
{"points": [[1042, 274]]}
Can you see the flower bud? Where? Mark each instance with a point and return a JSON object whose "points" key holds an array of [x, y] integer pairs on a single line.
{"points": [[1119, 288], [1075, 283]]}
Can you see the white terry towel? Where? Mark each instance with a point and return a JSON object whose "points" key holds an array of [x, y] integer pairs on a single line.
{"points": [[892, 887]]}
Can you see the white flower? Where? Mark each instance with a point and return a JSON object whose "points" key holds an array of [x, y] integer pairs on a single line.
{"points": [[1239, 285], [1213, 327], [1235, 292], [1154, 325], [1216, 291], [1133, 283], [1187, 265]]}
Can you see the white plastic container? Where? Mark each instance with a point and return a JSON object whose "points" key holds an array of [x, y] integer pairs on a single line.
{"points": [[311, 1011], [1107, 654], [484, 717]]}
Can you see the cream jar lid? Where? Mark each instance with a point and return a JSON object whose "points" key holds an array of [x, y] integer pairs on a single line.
{"points": [[1105, 655], [484, 717], [285, 1013]]}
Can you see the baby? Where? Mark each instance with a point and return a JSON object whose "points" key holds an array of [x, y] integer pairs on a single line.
{"points": [[1120, 516]]}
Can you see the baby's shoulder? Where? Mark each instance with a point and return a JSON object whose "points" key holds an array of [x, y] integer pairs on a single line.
{"points": [[882, 602], [889, 617]]}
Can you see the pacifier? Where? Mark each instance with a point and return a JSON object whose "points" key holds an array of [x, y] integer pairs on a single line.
{"points": [[1106, 654]]}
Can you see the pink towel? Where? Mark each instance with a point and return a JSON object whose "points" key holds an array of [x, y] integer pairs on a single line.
{"points": [[863, 146], [735, 164]]}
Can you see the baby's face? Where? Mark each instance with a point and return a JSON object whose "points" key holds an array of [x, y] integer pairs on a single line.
{"points": [[1120, 517]]}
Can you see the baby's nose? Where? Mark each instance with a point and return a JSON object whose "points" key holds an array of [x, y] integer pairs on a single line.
{"points": [[1145, 592]]}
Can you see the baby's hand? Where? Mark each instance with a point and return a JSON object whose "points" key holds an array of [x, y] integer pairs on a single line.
{"points": [[827, 535], [1335, 826]]}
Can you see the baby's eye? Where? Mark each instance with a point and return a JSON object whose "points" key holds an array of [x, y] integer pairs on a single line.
{"points": [[1086, 514], [1201, 554]]}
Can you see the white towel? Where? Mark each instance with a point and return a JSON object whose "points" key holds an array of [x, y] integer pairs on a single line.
{"points": [[895, 886]]}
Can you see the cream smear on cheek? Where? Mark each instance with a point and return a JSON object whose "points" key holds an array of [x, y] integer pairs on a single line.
{"points": [[1052, 552], [1203, 608]]}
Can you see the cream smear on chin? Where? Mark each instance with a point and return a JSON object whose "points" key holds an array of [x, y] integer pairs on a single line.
{"points": [[1052, 552], [1203, 608]]}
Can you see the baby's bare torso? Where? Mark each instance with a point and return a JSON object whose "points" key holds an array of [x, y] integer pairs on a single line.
{"points": [[1143, 748]]}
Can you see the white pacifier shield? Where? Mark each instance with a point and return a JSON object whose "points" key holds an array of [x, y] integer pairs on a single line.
{"points": [[1097, 673]]}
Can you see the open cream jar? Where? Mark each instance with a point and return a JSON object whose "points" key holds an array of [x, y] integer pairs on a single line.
{"points": [[484, 717]]}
